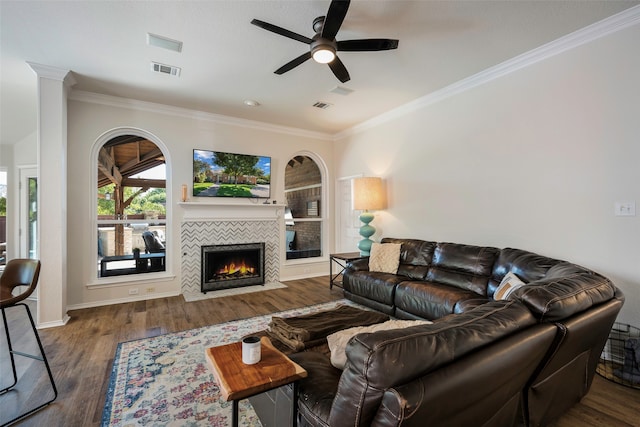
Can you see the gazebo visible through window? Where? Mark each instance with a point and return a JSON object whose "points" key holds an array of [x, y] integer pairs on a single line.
{"points": [[131, 207]]}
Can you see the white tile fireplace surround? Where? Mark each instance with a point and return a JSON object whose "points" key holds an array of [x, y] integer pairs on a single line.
{"points": [[222, 224]]}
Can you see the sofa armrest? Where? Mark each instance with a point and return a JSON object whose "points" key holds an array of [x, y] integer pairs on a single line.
{"points": [[491, 385], [317, 390], [381, 360], [360, 264]]}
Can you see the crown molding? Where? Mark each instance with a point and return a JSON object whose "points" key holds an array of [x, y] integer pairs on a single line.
{"points": [[53, 73], [605, 27], [133, 104]]}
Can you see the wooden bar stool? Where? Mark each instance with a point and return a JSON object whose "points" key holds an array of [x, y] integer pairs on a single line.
{"points": [[21, 272]]}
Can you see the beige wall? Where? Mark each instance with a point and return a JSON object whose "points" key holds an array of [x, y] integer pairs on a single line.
{"points": [[534, 160], [180, 131]]}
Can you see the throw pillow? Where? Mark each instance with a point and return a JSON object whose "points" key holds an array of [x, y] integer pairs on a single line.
{"points": [[385, 257], [338, 340], [509, 283]]}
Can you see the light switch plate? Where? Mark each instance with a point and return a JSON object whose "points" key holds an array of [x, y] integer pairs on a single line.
{"points": [[625, 208]]}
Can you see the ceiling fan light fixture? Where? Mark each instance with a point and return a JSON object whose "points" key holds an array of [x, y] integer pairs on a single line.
{"points": [[323, 45], [323, 54]]}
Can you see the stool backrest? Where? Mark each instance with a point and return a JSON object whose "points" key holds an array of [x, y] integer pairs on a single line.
{"points": [[18, 272]]}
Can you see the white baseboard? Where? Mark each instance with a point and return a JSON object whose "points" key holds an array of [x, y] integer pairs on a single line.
{"points": [[303, 276], [133, 298], [54, 324]]}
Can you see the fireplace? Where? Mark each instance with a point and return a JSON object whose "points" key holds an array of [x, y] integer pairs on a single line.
{"points": [[232, 266]]}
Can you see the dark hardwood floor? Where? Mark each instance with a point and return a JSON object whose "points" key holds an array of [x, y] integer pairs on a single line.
{"points": [[81, 354]]}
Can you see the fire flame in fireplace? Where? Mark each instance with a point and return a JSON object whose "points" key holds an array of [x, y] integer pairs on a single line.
{"points": [[233, 268]]}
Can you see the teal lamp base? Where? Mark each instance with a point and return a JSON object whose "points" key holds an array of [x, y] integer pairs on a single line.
{"points": [[366, 231]]}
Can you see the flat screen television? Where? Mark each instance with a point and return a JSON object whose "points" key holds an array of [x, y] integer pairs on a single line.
{"points": [[221, 174]]}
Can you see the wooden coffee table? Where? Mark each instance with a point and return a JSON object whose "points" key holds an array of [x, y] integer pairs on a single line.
{"points": [[239, 381]]}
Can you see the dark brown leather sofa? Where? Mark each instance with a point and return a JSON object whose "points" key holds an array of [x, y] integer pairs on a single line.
{"points": [[523, 361]]}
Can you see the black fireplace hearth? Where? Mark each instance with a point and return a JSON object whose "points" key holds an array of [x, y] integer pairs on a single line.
{"points": [[232, 266]]}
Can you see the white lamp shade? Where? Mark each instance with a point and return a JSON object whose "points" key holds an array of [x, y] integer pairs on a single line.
{"points": [[368, 194]]}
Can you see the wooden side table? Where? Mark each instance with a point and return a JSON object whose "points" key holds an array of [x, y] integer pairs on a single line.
{"points": [[239, 381], [342, 260]]}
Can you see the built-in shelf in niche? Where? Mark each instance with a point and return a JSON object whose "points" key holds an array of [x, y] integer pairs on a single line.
{"points": [[261, 204]]}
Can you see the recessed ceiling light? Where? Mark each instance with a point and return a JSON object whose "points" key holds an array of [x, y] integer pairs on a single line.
{"points": [[251, 103], [164, 42]]}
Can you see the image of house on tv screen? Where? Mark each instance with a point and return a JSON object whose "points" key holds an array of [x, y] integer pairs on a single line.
{"points": [[220, 174]]}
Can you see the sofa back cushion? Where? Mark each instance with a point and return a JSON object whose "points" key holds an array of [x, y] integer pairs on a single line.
{"points": [[463, 266], [415, 256], [557, 297], [381, 360], [555, 289], [528, 266]]}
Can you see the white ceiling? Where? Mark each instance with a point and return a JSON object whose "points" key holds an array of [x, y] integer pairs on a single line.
{"points": [[226, 60]]}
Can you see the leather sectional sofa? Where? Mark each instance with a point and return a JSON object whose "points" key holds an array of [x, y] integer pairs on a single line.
{"points": [[520, 361]]}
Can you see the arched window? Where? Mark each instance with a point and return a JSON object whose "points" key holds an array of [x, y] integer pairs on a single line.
{"points": [[131, 216], [304, 218]]}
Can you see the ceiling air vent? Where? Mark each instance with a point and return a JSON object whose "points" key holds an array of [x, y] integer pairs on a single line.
{"points": [[165, 69], [164, 42], [341, 90], [322, 105]]}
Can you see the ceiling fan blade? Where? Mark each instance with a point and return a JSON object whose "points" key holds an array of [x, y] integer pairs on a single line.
{"points": [[281, 31], [364, 45], [293, 64], [335, 16], [339, 70]]}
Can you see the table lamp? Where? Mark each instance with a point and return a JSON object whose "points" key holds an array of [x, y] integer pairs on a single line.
{"points": [[368, 194]]}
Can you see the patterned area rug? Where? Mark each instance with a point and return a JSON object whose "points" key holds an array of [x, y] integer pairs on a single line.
{"points": [[166, 380]]}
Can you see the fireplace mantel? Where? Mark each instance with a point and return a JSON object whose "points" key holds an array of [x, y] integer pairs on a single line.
{"points": [[228, 222], [201, 211]]}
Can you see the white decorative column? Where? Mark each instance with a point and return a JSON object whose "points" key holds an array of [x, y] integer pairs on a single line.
{"points": [[53, 88]]}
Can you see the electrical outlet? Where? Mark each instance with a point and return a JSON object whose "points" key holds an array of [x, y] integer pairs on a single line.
{"points": [[625, 208], [133, 291], [150, 290]]}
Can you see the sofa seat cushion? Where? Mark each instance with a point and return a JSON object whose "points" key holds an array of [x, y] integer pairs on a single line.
{"points": [[431, 300], [316, 392], [375, 286]]}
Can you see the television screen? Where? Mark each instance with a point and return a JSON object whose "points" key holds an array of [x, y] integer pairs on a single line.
{"points": [[220, 174]]}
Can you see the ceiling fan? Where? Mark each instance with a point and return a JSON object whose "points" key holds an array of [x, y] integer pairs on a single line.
{"points": [[323, 45]]}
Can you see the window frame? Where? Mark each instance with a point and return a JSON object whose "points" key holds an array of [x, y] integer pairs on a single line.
{"points": [[93, 280], [323, 211]]}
